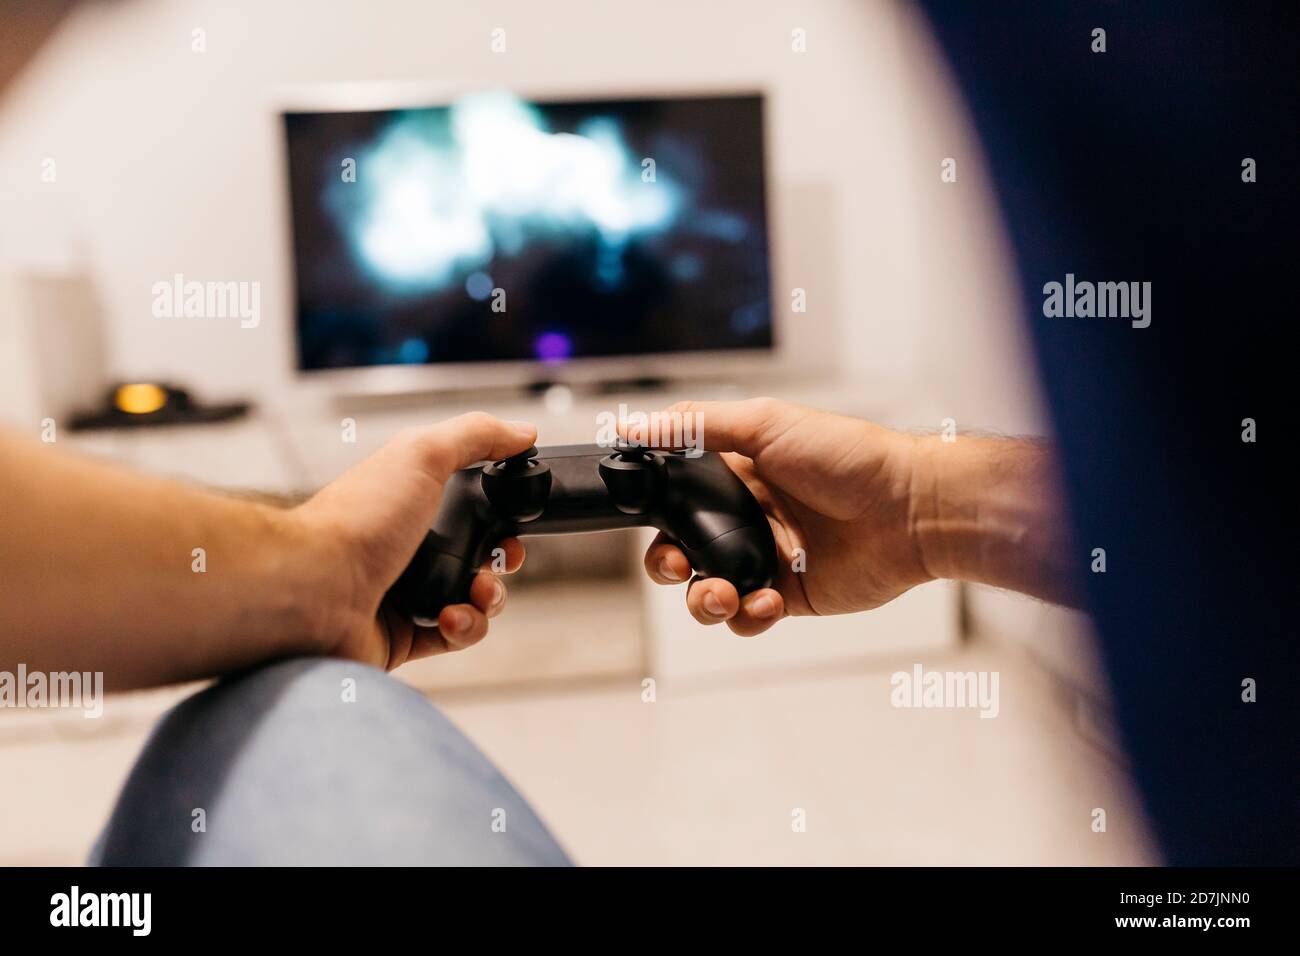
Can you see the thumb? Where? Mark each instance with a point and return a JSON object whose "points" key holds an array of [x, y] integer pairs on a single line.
{"points": [[459, 442], [746, 427]]}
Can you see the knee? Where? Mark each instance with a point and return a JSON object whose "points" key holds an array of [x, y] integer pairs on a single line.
{"points": [[315, 761], [314, 678], [320, 689], [254, 746]]}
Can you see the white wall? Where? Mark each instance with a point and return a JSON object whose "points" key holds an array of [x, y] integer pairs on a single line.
{"points": [[169, 161]]}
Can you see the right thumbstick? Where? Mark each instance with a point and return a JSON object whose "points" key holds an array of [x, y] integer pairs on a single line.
{"points": [[634, 477]]}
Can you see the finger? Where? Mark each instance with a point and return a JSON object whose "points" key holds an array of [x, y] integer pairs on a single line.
{"points": [[712, 600], [506, 558], [400, 635], [487, 593], [759, 610], [746, 427], [425, 642], [461, 441], [461, 626], [408, 641], [665, 563]]}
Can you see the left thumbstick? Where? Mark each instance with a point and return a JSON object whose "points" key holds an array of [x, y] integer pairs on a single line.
{"points": [[518, 487]]}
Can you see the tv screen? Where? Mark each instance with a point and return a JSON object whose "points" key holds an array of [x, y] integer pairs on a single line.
{"points": [[496, 229]]}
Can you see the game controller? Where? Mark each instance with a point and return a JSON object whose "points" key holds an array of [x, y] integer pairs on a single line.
{"points": [[691, 496]]}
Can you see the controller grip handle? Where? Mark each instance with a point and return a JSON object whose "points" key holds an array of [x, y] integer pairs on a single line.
{"points": [[434, 579], [745, 556]]}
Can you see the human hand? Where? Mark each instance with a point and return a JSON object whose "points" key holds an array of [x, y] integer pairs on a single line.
{"points": [[367, 524], [837, 493]]}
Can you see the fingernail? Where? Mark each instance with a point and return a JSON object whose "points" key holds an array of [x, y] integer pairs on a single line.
{"points": [[668, 571], [528, 429], [763, 607], [457, 621], [498, 593], [713, 605]]}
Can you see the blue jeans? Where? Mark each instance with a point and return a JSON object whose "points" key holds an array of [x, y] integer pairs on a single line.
{"points": [[275, 766]]}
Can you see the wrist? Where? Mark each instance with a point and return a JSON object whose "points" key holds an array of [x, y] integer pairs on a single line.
{"points": [[987, 510], [312, 601], [944, 519]]}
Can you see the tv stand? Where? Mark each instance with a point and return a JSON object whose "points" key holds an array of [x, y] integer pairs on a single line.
{"points": [[639, 383]]}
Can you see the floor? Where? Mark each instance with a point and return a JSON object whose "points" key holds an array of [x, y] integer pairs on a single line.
{"points": [[717, 774]]}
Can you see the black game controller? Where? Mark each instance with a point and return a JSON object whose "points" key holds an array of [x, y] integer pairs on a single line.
{"points": [[693, 497]]}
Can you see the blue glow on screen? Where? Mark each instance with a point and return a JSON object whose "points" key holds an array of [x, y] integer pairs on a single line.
{"points": [[440, 194], [478, 286]]}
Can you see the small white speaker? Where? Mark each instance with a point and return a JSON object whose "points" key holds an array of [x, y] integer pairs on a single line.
{"points": [[52, 357]]}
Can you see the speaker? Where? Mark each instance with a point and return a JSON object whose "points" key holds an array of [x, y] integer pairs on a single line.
{"points": [[52, 355]]}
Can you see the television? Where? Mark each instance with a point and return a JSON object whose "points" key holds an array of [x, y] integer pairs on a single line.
{"points": [[492, 233]]}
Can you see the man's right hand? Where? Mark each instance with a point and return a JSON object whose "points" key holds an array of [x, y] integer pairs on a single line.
{"points": [[836, 491], [861, 513]]}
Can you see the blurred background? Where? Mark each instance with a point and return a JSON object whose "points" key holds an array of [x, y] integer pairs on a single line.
{"points": [[818, 226]]}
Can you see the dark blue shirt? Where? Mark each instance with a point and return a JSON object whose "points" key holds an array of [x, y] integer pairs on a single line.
{"points": [[1127, 166]]}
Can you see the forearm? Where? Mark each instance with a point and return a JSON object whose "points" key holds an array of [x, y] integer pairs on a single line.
{"points": [[101, 570], [989, 511]]}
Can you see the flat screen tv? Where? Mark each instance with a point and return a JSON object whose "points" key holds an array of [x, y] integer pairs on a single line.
{"points": [[495, 229]]}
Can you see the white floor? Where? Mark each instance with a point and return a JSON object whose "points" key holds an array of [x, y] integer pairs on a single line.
{"points": [[713, 775]]}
